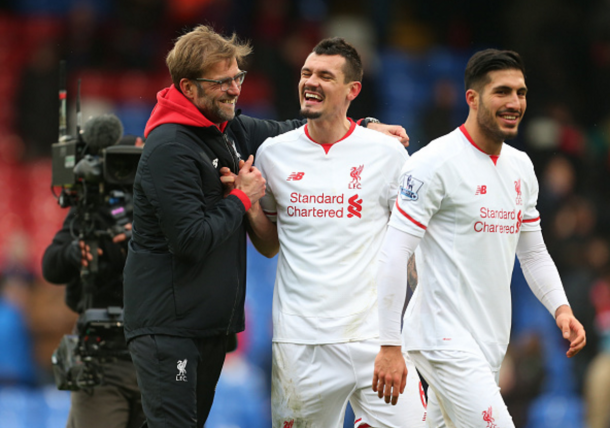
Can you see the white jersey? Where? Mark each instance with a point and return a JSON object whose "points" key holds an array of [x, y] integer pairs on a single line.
{"points": [[470, 208], [332, 204]]}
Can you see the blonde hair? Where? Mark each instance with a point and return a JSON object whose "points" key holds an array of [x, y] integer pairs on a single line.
{"points": [[196, 51]]}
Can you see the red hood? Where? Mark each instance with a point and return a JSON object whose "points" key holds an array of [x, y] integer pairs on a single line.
{"points": [[173, 107]]}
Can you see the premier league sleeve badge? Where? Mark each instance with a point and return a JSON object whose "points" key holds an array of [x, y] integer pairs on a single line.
{"points": [[409, 188]]}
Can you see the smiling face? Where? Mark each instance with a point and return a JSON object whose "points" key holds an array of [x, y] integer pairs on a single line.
{"points": [[323, 91], [215, 104], [502, 104]]}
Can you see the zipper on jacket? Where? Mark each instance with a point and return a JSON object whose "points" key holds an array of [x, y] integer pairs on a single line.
{"points": [[234, 306], [232, 152]]}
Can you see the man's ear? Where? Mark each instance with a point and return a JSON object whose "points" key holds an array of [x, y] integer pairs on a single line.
{"points": [[188, 88], [354, 90], [472, 99]]}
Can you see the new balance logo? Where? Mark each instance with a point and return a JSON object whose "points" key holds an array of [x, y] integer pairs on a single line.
{"points": [[481, 190], [355, 206], [295, 176], [181, 376], [215, 163]]}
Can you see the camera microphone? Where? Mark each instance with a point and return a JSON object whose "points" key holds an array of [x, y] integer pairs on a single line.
{"points": [[102, 131]]}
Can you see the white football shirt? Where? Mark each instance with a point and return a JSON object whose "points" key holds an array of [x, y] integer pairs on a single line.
{"points": [[332, 204], [470, 208]]}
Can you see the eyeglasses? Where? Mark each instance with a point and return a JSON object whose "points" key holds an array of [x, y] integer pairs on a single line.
{"points": [[225, 84]]}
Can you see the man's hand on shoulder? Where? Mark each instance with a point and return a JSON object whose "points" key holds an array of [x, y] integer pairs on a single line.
{"points": [[395, 131]]}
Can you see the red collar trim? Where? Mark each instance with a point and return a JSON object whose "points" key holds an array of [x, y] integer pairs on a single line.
{"points": [[494, 158], [173, 107], [221, 127], [327, 147]]}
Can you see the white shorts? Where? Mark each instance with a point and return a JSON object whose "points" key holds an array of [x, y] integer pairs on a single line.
{"points": [[463, 391], [311, 385]]}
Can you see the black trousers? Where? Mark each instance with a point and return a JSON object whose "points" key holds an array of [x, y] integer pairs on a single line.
{"points": [[177, 377]]}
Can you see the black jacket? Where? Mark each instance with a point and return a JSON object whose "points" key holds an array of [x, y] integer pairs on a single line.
{"points": [[186, 269], [61, 264]]}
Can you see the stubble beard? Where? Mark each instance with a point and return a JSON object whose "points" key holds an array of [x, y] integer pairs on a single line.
{"points": [[212, 109], [488, 125], [308, 114], [216, 114]]}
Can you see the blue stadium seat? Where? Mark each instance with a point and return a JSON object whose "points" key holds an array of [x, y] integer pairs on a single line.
{"points": [[556, 411], [529, 315], [15, 406], [59, 7], [259, 301], [17, 366], [57, 406], [23, 407], [134, 116], [242, 397]]}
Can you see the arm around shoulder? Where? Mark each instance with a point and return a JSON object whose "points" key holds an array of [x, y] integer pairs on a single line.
{"points": [[258, 130]]}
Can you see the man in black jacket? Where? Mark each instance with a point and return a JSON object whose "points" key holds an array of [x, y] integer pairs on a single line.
{"points": [[185, 274], [117, 402]]}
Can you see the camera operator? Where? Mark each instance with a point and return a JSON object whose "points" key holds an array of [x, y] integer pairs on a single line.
{"points": [[116, 402]]}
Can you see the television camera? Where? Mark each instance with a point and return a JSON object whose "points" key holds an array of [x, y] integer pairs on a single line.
{"points": [[95, 176]]}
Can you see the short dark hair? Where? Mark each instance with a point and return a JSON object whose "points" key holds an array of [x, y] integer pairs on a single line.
{"points": [[481, 63], [338, 46]]}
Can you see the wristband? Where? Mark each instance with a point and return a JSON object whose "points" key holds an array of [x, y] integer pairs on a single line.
{"points": [[368, 120]]}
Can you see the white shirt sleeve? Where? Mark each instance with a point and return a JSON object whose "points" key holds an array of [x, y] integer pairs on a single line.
{"points": [[268, 202], [396, 250], [531, 216], [540, 271], [394, 170], [419, 196]]}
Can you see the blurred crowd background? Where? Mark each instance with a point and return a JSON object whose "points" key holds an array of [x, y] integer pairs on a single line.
{"points": [[414, 52]]}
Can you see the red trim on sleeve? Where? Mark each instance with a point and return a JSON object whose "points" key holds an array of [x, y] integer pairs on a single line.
{"points": [[532, 220], [409, 217], [327, 147], [242, 197], [270, 212]]}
